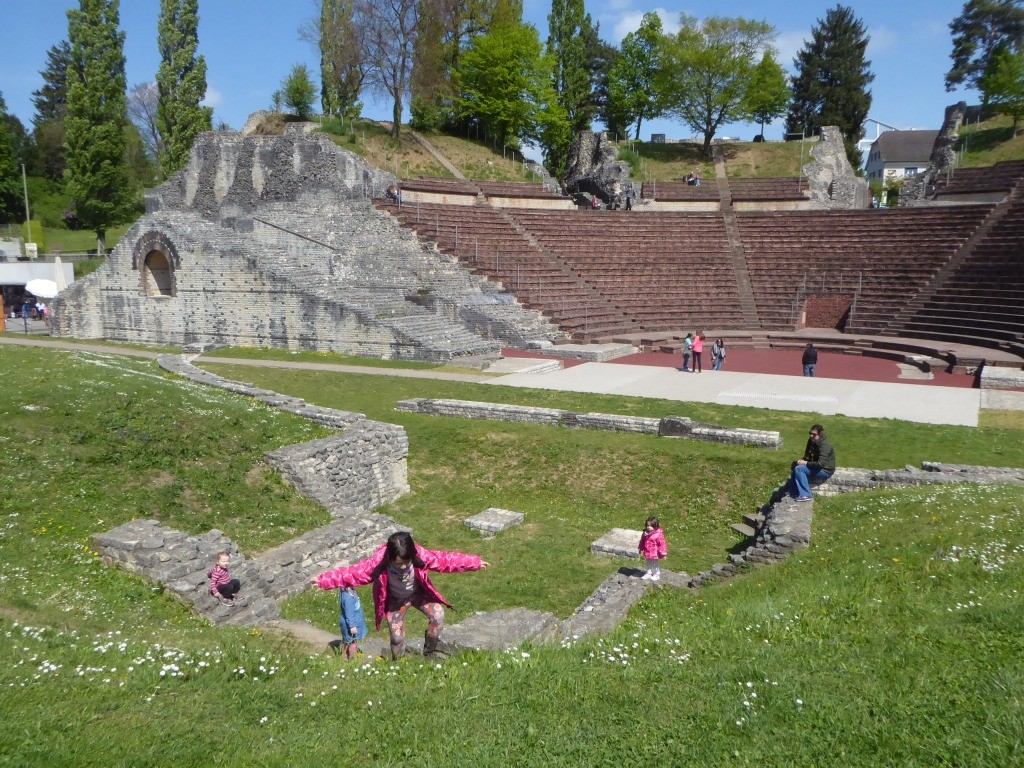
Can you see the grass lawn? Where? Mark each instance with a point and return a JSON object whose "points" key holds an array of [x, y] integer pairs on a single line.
{"points": [[897, 638], [990, 142], [370, 140]]}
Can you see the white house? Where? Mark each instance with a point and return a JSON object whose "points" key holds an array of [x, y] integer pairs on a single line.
{"points": [[896, 154]]}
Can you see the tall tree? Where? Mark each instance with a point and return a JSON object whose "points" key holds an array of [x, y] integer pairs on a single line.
{"points": [[430, 83], [50, 102], [600, 57], [979, 31], [635, 78], [707, 68], [342, 66], [830, 86], [9, 186], [1003, 84], [505, 85], [569, 26], [181, 80], [767, 91], [388, 29], [96, 175], [143, 103]]}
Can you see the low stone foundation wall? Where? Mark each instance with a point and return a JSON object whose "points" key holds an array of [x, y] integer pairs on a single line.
{"points": [[363, 467], [670, 426], [851, 479]]}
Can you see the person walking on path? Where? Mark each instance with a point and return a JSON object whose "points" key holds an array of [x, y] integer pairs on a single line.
{"points": [[351, 621], [809, 359], [399, 571], [222, 586], [653, 548], [687, 352], [698, 348], [717, 354], [817, 465]]}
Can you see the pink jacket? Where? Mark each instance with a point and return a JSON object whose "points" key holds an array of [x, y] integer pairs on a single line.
{"points": [[698, 344], [373, 570], [652, 545]]}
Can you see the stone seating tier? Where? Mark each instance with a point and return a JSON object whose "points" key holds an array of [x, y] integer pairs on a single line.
{"points": [[998, 178]]}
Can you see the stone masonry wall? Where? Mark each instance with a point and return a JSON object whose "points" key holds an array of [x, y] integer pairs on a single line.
{"points": [[831, 180], [672, 426]]}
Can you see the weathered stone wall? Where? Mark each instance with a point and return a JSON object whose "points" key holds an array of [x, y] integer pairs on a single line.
{"points": [[593, 168], [831, 179], [851, 479], [920, 188], [671, 426]]}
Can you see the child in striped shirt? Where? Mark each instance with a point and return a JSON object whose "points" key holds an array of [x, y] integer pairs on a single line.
{"points": [[222, 586]]}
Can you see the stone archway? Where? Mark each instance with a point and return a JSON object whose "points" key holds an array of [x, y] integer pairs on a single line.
{"points": [[157, 278], [156, 260]]}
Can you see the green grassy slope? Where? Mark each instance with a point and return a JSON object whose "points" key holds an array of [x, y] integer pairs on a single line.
{"points": [[895, 639]]}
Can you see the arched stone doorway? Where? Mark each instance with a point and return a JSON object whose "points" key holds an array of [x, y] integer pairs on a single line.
{"points": [[156, 260], [157, 279]]}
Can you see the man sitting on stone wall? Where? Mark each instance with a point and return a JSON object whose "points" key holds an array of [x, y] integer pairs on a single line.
{"points": [[817, 465]]}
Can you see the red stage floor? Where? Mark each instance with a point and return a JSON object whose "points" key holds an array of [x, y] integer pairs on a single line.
{"points": [[785, 362]]}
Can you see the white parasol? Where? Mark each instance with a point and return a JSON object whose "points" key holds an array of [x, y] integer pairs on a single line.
{"points": [[43, 289], [59, 279]]}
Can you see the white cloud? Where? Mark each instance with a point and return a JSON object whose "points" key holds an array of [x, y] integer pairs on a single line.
{"points": [[882, 40], [788, 43], [630, 22], [213, 98]]}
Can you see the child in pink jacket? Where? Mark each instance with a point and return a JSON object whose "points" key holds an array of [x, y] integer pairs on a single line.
{"points": [[399, 572], [653, 548]]}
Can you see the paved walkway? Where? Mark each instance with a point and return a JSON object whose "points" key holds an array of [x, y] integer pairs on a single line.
{"points": [[863, 399], [828, 396]]}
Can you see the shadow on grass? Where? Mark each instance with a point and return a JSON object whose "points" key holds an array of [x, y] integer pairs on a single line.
{"points": [[984, 140]]}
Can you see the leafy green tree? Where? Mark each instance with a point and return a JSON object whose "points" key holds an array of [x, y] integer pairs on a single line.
{"points": [[504, 84], [1003, 84], [51, 104], [767, 91], [181, 80], [569, 28], [983, 27], [430, 83], [299, 92], [830, 86], [342, 66], [707, 68], [635, 78], [9, 185], [96, 176]]}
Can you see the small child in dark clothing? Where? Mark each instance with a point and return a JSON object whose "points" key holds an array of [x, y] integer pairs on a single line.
{"points": [[351, 621], [222, 586]]}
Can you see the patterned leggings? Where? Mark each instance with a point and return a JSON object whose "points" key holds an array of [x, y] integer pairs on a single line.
{"points": [[396, 622]]}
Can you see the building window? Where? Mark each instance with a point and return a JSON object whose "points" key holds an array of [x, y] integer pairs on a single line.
{"points": [[909, 170]]}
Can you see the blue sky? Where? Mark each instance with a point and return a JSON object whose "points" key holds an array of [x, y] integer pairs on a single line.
{"points": [[250, 45]]}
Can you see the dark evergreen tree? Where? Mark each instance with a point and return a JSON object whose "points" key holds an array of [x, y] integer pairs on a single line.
{"points": [[569, 26], [830, 86], [181, 80], [600, 57], [979, 31], [9, 182], [96, 175], [51, 102]]}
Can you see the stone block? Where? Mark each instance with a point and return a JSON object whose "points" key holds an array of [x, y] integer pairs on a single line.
{"points": [[498, 631], [618, 542], [494, 520]]}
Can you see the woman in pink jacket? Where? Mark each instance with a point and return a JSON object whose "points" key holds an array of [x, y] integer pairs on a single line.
{"points": [[653, 548], [399, 572]]}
